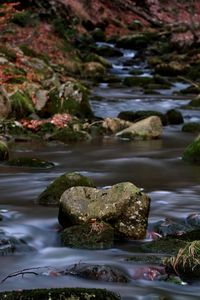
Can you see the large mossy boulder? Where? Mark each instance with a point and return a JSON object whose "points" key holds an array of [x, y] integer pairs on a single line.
{"points": [[21, 105], [135, 41], [192, 152], [194, 103], [187, 261], [60, 293], [70, 97], [4, 153], [149, 128], [51, 195], [68, 134], [123, 206], [93, 235]]}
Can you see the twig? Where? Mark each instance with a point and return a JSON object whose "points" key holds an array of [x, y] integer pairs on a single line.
{"points": [[23, 272]]}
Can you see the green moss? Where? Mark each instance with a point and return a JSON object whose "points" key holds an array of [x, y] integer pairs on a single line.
{"points": [[68, 134], [146, 259], [16, 80], [22, 18], [9, 54], [30, 162], [75, 102], [21, 105], [195, 102], [192, 152], [164, 246], [85, 237], [31, 53], [61, 293], [4, 154], [51, 195], [138, 81], [191, 127], [12, 128]]}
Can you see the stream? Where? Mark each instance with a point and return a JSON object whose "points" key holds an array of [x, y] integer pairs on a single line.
{"points": [[155, 166]]}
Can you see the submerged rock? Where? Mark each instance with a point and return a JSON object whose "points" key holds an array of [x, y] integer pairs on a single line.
{"points": [[123, 206], [94, 235], [51, 195], [149, 128], [60, 293], [30, 162], [98, 272]]}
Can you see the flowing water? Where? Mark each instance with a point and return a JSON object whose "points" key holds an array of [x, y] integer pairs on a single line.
{"points": [[155, 166]]}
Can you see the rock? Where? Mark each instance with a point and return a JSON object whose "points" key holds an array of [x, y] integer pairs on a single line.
{"points": [[51, 195], [69, 134], [166, 245], [172, 68], [192, 152], [41, 98], [113, 125], [30, 162], [138, 81], [108, 51], [93, 70], [135, 41], [60, 293], [149, 128], [98, 272], [4, 153], [174, 117], [70, 97], [123, 206], [5, 107], [194, 103], [10, 244], [186, 262], [94, 235], [141, 114], [21, 105], [192, 127], [97, 58]]}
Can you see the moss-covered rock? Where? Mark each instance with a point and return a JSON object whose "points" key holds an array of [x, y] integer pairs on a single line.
{"points": [[30, 162], [174, 117], [107, 51], [96, 235], [194, 103], [172, 68], [69, 134], [141, 114], [135, 41], [99, 272], [5, 107], [93, 70], [71, 97], [138, 81], [21, 105], [192, 152], [92, 57], [167, 246], [4, 153], [187, 261], [61, 293], [51, 195], [192, 127]]}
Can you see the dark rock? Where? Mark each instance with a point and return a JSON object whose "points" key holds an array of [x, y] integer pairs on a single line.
{"points": [[141, 114], [94, 235], [62, 293], [174, 117], [30, 162], [98, 272], [51, 195], [192, 127]]}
